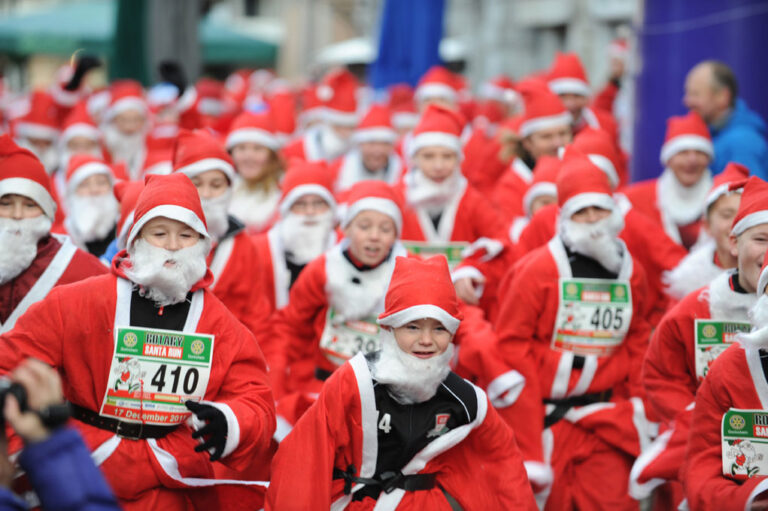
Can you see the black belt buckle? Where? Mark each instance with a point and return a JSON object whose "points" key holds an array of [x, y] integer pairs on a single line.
{"points": [[390, 481], [128, 436]]}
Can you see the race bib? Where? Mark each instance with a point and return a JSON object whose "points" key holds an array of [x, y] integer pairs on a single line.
{"points": [[593, 316], [451, 250], [745, 443], [343, 340], [154, 372], [712, 338]]}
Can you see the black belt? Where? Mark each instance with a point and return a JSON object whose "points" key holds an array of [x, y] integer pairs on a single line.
{"points": [[563, 405], [322, 374], [387, 481], [129, 430]]}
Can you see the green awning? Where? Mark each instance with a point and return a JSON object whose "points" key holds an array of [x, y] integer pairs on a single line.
{"points": [[90, 25]]}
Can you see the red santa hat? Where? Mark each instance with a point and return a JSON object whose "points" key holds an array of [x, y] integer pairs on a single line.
{"points": [[282, 107], [304, 178], [159, 159], [338, 94], [127, 194], [544, 180], [98, 102], [79, 124], [41, 120], [580, 184], [210, 95], [543, 110], [501, 89], [734, 174], [376, 126], [125, 95], [311, 106], [172, 196], [567, 75], [421, 289], [686, 132], [198, 151], [402, 106], [437, 82], [83, 166], [21, 173], [753, 208], [373, 196], [257, 128], [598, 146], [438, 126]]}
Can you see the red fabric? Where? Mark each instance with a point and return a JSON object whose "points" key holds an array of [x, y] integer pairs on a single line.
{"points": [[567, 65], [330, 435], [577, 176], [294, 150], [86, 312], [753, 198], [82, 266], [79, 160], [194, 146], [174, 189], [21, 163], [604, 99], [729, 384], [508, 194], [338, 91]]}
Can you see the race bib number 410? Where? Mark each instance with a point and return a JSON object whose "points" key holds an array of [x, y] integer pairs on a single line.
{"points": [[745, 443], [154, 372], [712, 338], [593, 316]]}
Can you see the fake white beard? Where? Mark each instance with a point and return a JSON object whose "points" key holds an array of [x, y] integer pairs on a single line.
{"points": [[159, 283], [123, 148], [305, 237], [758, 316], [216, 213], [23, 236], [422, 192], [49, 158], [597, 241], [409, 379], [91, 218], [683, 204], [332, 144]]}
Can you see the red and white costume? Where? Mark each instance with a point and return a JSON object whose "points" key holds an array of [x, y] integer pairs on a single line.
{"points": [[58, 260], [664, 200]]}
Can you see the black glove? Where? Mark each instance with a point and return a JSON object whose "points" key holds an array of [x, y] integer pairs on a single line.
{"points": [[215, 429], [84, 64], [171, 72]]}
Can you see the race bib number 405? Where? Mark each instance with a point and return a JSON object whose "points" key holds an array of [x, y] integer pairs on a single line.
{"points": [[745, 443], [154, 372], [343, 340], [452, 251], [593, 316], [712, 338]]}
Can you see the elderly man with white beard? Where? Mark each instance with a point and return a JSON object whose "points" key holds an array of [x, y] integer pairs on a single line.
{"points": [[232, 259], [92, 209], [32, 260], [162, 379], [726, 460], [573, 323]]}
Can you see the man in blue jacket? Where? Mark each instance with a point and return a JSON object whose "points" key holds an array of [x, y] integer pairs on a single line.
{"points": [[738, 133]]}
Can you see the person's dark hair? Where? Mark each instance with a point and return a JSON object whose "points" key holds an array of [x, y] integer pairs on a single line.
{"points": [[722, 76]]}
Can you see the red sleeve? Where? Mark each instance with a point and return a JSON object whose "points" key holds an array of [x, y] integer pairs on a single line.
{"points": [[82, 266], [605, 98], [485, 218], [705, 485]]}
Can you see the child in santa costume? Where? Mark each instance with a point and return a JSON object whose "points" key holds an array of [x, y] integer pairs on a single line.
{"points": [[333, 305], [396, 429], [33, 261], [711, 258], [725, 462], [675, 200], [443, 214], [92, 209], [304, 231], [233, 258], [691, 336], [572, 320], [137, 345], [373, 156], [253, 144]]}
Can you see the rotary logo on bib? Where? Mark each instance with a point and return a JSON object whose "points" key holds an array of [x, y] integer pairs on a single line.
{"points": [[709, 331], [197, 347], [619, 292], [130, 340]]}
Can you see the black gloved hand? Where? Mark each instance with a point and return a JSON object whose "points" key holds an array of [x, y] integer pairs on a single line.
{"points": [[171, 72], [215, 429], [84, 64]]}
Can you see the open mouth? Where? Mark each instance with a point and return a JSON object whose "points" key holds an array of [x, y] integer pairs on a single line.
{"points": [[371, 251], [170, 263], [423, 354]]}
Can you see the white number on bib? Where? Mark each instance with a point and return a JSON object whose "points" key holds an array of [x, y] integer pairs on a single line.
{"points": [[384, 423], [341, 341]]}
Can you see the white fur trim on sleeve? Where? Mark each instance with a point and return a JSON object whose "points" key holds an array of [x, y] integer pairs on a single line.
{"points": [[491, 246], [233, 427], [539, 473], [504, 390], [470, 272]]}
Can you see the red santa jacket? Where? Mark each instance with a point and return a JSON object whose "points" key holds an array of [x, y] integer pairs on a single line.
{"points": [[348, 170], [58, 262], [477, 463], [525, 326], [510, 189], [671, 380], [735, 380], [73, 330], [467, 217]]}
